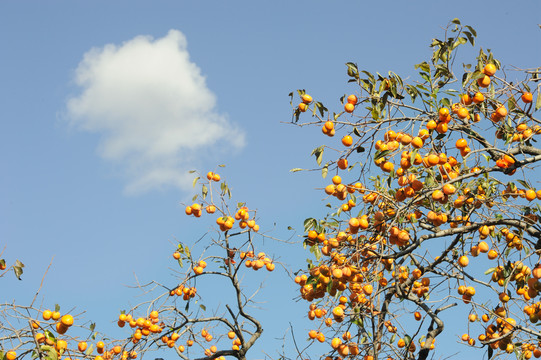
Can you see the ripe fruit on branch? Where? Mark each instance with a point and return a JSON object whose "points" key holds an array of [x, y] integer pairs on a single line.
{"points": [[347, 140], [489, 69], [478, 98], [484, 81], [306, 99], [67, 320], [463, 261], [527, 97], [466, 99]]}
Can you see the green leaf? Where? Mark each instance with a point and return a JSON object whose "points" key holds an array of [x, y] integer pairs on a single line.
{"points": [[89, 349], [538, 101], [375, 113], [490, 271], [356, 132], [444, 56], [524, 183], [191, 171], [49, 335], [429, 181], [297, 115], [470, 37], [511, 103], [50, 352], [204, 191], [446, 102], [407, 340], [353, 71], [296, 169], [412, 91], [18, 271], [459, 41], [318, 105], [195, 181], [318, 153], [315, 250], [390, 178], [371, 77], [319, 157], [477, 75], [398, 78], [203, 307], [422, 87], [424, 66], [412, 156], [455, 21], [472, 30], [394, 91], [56, 307], [366, 85], [309, 224], [329, 287], [380, 154], [325, 170], [312, 280], [316, 150], [436, 42], [440, 136]]}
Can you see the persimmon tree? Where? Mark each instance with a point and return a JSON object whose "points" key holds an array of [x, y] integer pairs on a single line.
{"points": [[434, 209], [174, 318]]}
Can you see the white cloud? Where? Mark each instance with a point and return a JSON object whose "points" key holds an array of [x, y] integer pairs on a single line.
{"points": [[152, 108]]}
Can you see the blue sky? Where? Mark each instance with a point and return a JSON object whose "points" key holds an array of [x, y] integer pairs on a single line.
{"points": [[83, 179]]}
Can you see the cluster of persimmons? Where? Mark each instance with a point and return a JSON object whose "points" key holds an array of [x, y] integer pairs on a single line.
{"points": [[436, 172], [225, 221], [51, 338], [53, 341]]}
